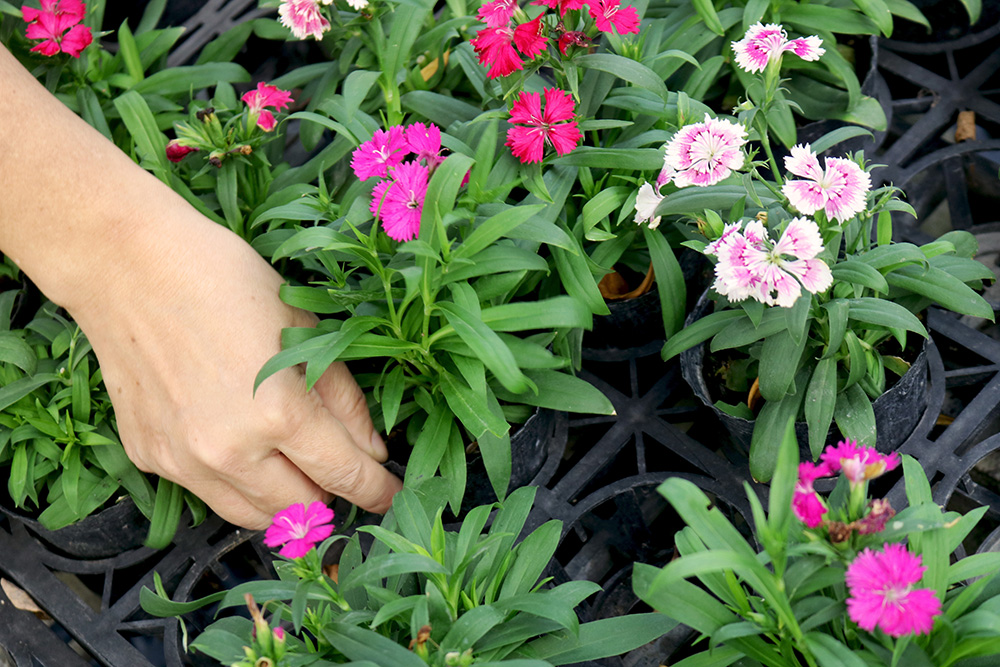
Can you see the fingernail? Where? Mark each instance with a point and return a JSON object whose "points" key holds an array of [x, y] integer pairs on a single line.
{"points": [[379, 450]]}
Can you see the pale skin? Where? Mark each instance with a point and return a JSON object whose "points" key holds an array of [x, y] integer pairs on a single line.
{"points": [[182, 314]]}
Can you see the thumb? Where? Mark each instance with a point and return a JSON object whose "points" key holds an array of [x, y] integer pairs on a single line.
{"points": [[342, 396]]}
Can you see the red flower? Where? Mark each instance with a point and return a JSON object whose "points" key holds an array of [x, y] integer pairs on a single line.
{"points": [[495, 48], [556, 126], [528, 38], [57, 24], [608, 13], [573, 38], [176, 150], [563, 5]]}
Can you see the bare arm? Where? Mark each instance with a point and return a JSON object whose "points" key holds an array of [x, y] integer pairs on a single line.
{"points": [[182, 314]]}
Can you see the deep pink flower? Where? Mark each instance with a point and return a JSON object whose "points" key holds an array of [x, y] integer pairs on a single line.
{"points": [[266, 95], [573, 38], [425, 141], [400, 202], [608, 14], [556, 126], [495, 49], [299, 528], [385, 149], [498, 13], [841, 190], [58, 25], [303, 18], [762, 43], [857, 462], [528, 37], [806, 503], [882, 593], [562, 5], [707, 152], [177, 151]]}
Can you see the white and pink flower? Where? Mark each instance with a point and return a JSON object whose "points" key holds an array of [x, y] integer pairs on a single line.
{"points": [[764, 43], [750, 265], [705, 153], [304, 18], [840, 190]]}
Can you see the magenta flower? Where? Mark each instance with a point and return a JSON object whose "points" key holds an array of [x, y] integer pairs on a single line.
{"points": [[857, 462], [57, 25], [806, 503], [498, 13], [763, 43], [841, 190], [528, 38], [707, 152], [882, 593], [398, 203], [562, 5], [557, 126], [425, 141], [385, 149], [751, 266], [303, 18], [299, 528], [608, 14], [264, 96], [176, 151]]}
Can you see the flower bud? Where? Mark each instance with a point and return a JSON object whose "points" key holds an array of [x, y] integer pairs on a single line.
{"points": [[176, 151]]}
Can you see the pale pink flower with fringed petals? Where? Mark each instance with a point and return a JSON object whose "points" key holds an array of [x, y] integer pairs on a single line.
{"points": [[762, 43], [806, 503], [882, 593], [264, 96], [299, 528], [399, 203], [498, 13], [385, 149], [531, 129], [707, 152], [858, 463], [608, 14], [840, 190], [303, 18]]}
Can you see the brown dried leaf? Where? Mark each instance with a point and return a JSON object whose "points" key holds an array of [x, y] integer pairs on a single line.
{"points": [[21, 600]]}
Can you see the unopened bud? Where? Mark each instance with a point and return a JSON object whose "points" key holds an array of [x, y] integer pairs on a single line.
{"points": [[176, 151], [206, 115]]}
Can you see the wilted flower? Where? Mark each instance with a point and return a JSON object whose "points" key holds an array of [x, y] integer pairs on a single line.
{"points": [[264, 96], [882, 593], [840, 190], [299, 528], [58, 25], [176, 151], [646, 201], [878, 515], [556, 126], [762, 43], [573, 38], [858, 463], [399, 203], [707, 152], [304, 18]]}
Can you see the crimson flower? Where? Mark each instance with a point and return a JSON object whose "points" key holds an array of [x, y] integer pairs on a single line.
{"points": [[495, 49], [299, 528], [528, 37], [58, 25], [176, 151], [562, 5], [610, 13], [556, 126], [264, 96]]}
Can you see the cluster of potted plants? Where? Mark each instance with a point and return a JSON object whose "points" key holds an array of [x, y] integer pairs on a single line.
{"points": [[476, 173]]}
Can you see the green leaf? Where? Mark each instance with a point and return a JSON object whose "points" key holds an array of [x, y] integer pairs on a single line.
{"points": [[706, 10], [555, 313], [830, 652], [488, 347], [780, 360], [360, 644], [831, 139], [628, 69], [693, 201], [601, 639], [166, 517], [392, 396], [129, 53], [946, 290], [879, 13], [630, 159], [884, 313], [855, 416], [149, 141], [181, 79], [908, 11], [670, 282], [430, 445], [13, 350], [769, 431], [561, 391], [470, 408], [820, 400], [531, 557], [699, 331], [496, 227], [377, 568], [812, 18], [974, 9], [859, 273]]}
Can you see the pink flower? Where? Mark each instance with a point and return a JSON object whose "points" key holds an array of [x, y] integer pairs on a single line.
{"points": [[882, 593], [495, 49], [806, 503], [562, 5], [556, 126], [573, 38], [425, 141], [400, 202], [299, 528], [750, 266], [762, 43], [528, 37], [609, 13], [857, 462], [303, 18], [58, 25], [840, 190], [498, 13], [265, 95], [176, 151], [279, 633], [385, 149], [707, 152]]}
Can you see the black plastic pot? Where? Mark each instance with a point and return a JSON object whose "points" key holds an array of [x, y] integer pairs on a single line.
{"points": [[111, 531], [897, 411]]}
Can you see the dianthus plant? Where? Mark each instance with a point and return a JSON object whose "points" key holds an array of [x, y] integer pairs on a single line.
{"points": [[423, 281], [420, 595], [810, 289], [842, 580]]}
